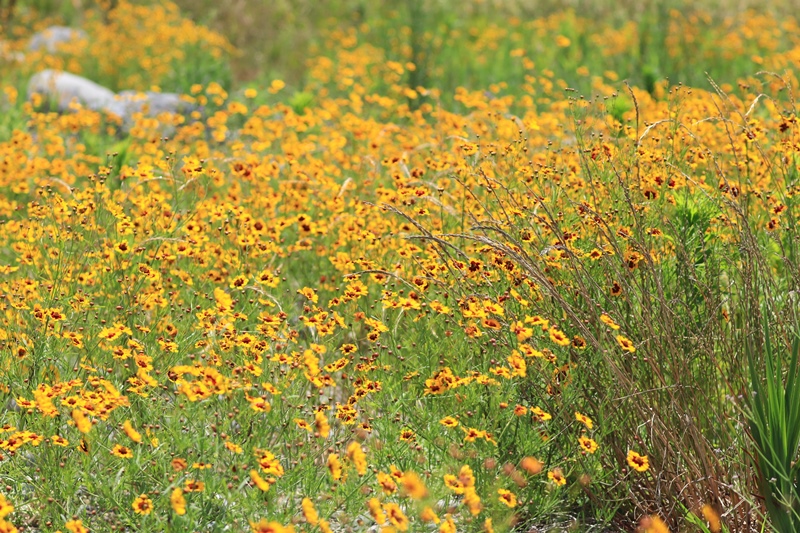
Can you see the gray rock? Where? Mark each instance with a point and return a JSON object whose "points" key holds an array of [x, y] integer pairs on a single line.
{"points": [[63, 88], [50, 38], [151, 103]]}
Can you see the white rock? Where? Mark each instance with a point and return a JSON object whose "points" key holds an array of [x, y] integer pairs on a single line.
{"points": [[64, 88]]}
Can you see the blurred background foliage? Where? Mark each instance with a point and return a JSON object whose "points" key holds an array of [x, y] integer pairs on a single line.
{"points": [[476, 43]]}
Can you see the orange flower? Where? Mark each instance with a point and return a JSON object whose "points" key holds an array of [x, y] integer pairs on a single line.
{"points": [[321, 424], [531, 465]]}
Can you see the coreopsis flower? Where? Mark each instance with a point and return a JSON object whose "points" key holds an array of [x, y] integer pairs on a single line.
{"points": [[540, 415], [309, 512], [57, 440], [376, 511], [258, 481], [192, 485], [712, 517], [177, 501], [142, 505], [335, 466], [559, 337], [608, 321], [448, 526], [386, 482], [429, 515], [129, 430], [413, 486], [587, 444], [321, 424], [83, 424], [263, 526], [76, 526], [640, 463], [507, 498], [121, 451], [557, 477], [652, 524], [396, 516], [583, 419], [356, 454], [626, 344], [472, 500], [5, 507]]}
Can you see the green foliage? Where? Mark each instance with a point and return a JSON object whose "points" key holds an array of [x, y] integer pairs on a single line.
{"points": [[774, 415]]}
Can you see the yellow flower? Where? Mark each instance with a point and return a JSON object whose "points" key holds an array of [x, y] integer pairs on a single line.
{"points": [[583, 419], [5, 507], [396, 516], [559, 337], [258, 481], [508, 498], [608, 321], [129, 430], [557, 477], [540, 415], [413, 485], [142, 505], [712, 517], [321, 424], [428, 515], [652, 524], [178, 501], [376, 511], [76, 526], [309, 512], [83, 424], [640, 463], [356, 454], [335, 466], [626, 344], [589, 445], [449, 422], [122, 451]]}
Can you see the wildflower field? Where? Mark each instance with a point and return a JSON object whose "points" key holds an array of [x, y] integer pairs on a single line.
{"points": [[455, 269]]}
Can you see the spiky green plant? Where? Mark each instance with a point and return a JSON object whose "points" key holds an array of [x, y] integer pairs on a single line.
{"points": [[774, 416]]}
